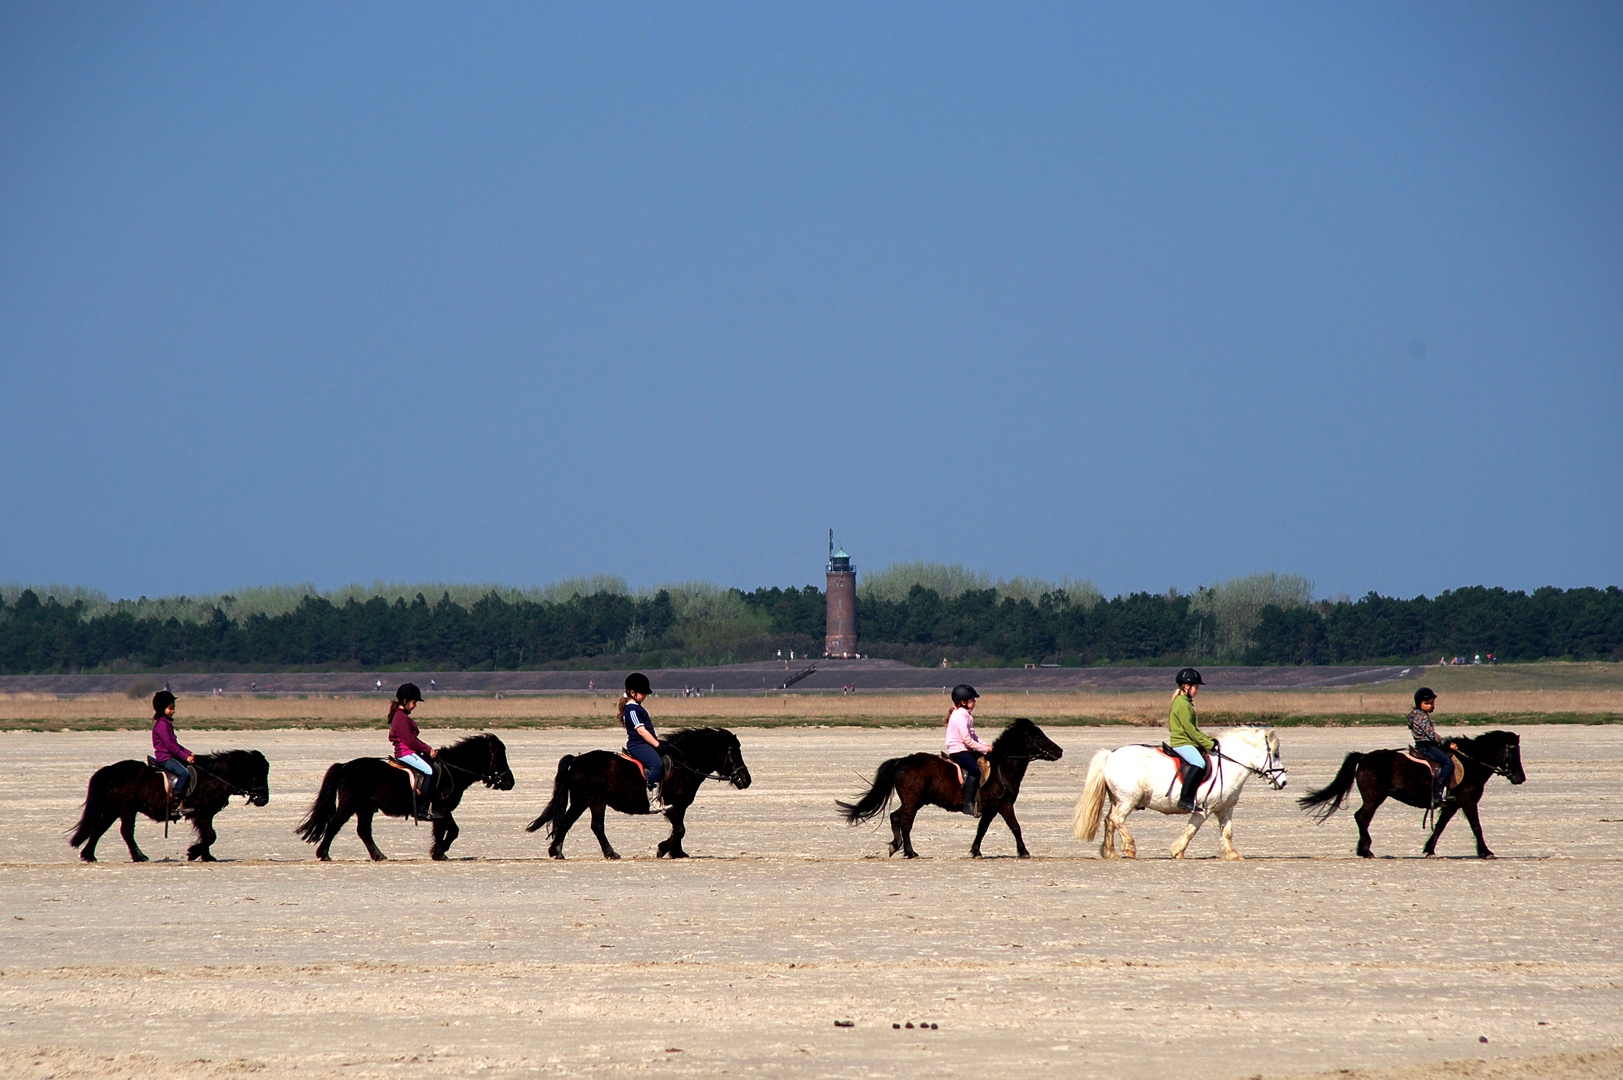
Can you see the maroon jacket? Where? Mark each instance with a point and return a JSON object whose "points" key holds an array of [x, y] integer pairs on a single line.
{"points": [[403, 734], [164, 743]]}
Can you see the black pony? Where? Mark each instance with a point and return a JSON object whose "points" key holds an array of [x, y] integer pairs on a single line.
{"points": [[930, 780], [126, 788], [371, 785], [603, 778], [1383, 773]]}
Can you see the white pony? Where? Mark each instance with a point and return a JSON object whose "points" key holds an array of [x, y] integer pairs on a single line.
{"points": [[1142, 776]]}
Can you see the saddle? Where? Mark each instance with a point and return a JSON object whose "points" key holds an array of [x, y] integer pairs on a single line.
{"points": [[1180, 767], [191, 779], [417, 779], [985, 764], [1454, 778]]}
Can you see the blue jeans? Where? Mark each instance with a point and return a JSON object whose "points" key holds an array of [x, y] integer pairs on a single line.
{"points": [[176, 768], [1439, 756], [649, 758], [416, 761]]}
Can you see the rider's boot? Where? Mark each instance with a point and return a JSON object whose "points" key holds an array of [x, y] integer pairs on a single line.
{"points": [[422, 799], [972, 782], [1191, 781], [1442, 796]]}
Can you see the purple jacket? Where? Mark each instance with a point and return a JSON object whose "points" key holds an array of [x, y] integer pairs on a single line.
{"points": [[403, 734], [164, 743]]}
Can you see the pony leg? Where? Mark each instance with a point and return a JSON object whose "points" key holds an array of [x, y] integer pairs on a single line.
{"points": [[363, 829], [127, 830], [1129, 847], [1226, 835], [445, 834], [1107, 846], [901, 828], [102, 823], [1366, 812], [597, 830], [199, 852], [1443, 817], [980, 833], [1196, 820], [336, 822], [1014, 826], [560, 828], [1482, 851], [672, 845]]}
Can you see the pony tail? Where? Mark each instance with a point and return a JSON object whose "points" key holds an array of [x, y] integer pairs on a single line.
{"points": [[393, 705], [620, 707]]}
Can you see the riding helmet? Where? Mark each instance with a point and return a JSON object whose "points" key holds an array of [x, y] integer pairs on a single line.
{"points": [[1423, 694], [1190, 677], [408, 692], [637, 683], [161, 701], [963, 692]]}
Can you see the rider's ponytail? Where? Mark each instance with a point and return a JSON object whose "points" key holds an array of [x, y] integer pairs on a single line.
{"points": [[620, 707], [394, 707]]}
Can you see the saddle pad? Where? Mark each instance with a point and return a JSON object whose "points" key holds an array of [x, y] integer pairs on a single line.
{"points": [[640, 766], [1459, 766]]}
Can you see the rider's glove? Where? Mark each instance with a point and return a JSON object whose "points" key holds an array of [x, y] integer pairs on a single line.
{"points": [[1214, 746]]}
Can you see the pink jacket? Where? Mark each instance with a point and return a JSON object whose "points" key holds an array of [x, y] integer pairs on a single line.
{"points": [[961, 733]]}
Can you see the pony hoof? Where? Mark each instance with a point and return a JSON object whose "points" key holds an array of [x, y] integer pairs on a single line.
{"points": [[1023, 855], [974, 854], [88, 858], [324, 858], [1233, 856], [438, 856], [139, 858], [611, 855], [1487, 855]]}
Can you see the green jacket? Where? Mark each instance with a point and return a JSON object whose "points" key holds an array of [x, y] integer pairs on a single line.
{"points": [[1181, 722]]}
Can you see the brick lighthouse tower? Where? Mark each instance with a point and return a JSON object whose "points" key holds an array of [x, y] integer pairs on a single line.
{"points": [[840, 637]]}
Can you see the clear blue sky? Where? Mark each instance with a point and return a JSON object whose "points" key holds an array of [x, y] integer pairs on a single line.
{"points": [[1153, 294]]}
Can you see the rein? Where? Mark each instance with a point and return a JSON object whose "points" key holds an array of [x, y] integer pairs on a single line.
{"points": [[1270, 774], [488, 777], [685, 767], [228, 785], [1495, 770]]}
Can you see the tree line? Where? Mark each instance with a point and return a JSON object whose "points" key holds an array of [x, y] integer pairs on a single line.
{"points": [[1254, 621]]}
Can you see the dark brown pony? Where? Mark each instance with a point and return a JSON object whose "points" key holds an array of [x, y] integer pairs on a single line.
{"points": [[930, 780], [126, 788], [1383, 774], [367, 786], [602, 779]]}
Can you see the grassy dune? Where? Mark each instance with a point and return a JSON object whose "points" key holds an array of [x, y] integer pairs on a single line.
{"points": [[1598, 703]]}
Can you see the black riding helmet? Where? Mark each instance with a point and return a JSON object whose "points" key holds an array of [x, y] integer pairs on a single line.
{"points": [[963, 692], [408, 692], [1190, 677], [161, 701], [637, 683], [1423, 694]]}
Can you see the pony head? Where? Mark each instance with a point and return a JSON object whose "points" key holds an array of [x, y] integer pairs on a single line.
{"points": [[1258, 748], [1022, 738]]}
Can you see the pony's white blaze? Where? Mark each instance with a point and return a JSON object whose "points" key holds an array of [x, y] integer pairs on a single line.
{"points": [[1140, 777]]}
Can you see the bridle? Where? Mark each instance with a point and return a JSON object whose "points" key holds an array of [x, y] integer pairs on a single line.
{"points": [[1271, 773], [233, 789], [677, 761], [1500, 769], [490, 777]]}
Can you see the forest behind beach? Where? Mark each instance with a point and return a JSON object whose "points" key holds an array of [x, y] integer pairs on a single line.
{"points": [[917, 613]]}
